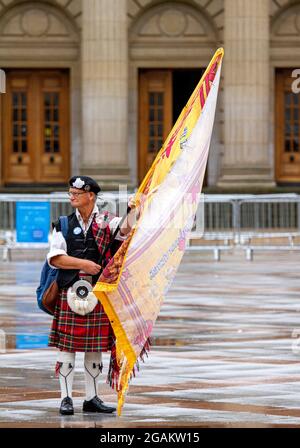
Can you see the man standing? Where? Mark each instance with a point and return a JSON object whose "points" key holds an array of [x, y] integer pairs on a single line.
{"points": [[77, 256]]}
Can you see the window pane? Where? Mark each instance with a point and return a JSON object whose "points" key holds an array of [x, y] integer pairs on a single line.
{"points": [[160, 114], [16, 130], [55, 115], [287, 146], [24, 130], [152, 130], [15, 97], [15, 114], [47, 99], [24, 145], [56, 99], [288, 114], [48, 131], [160, 98], [296, 144], [56, 146], [56, 130], [47, 114], [160, 130], [151, 98], [151, 115], [160, 143], [296, 114], [296, 99], [23, 99], [15, 146], [24, 114], [47, 145], [151, 146], [288, 98]]}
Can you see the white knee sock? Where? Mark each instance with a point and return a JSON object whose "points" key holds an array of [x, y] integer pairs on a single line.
{"points": [[92, 370], [65, 369]]}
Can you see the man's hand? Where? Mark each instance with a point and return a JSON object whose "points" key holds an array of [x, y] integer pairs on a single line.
{"points": [[134, 204], [89, 267]]}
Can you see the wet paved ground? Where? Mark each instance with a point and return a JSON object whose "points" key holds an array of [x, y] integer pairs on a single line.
{"points": [[226, 350]]}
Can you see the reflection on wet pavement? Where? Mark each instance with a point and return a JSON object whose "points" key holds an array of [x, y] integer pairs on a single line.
{"points": [[225, 354]]}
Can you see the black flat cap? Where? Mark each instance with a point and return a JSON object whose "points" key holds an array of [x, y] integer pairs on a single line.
{"points": [[84, 183]]}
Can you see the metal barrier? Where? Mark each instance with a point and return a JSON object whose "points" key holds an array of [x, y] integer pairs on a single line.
{"points": [[271, 223], [59, 205], [219, 226], [248, 222]]}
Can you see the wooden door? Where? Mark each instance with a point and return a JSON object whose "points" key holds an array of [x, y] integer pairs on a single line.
{"points": [[35, 113], [155, 115], [287, 128]]}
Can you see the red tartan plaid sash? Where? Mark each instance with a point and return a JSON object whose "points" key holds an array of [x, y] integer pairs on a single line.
{"points": [[102, 237]]}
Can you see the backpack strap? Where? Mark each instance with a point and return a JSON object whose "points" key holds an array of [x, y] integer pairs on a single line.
{"points": [[64, 225]]}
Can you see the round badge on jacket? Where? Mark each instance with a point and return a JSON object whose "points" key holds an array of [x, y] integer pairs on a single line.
{"points": [[77, 230]]}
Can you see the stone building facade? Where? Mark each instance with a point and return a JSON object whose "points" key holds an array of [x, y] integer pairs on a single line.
{"points": [[94, 86]]}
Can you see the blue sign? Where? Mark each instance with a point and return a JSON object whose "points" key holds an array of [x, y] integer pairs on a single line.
{"points": [[33, 222], [27, 341]]}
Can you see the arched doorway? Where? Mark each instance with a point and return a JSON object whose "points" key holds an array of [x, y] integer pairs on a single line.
{"points": [[285, 58], [36, 127], [170, 45], [40, 56], [162, 96]]}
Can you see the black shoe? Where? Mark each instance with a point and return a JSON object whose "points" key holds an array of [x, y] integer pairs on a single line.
{"points": [[97, 405], [66, 407]]}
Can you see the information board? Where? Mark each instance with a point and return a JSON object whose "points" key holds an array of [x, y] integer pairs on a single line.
{"points": [[32, 222]]}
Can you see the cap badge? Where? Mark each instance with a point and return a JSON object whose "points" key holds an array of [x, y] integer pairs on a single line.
{"points": [[78, 183]]}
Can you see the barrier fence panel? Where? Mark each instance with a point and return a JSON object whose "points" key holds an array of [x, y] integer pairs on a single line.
{"points": [[218, 230], [269, 224], [59, 203], [248, 222]]}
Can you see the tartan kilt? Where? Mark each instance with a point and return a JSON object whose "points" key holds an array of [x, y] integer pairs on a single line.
{"points": [[75, 333]]}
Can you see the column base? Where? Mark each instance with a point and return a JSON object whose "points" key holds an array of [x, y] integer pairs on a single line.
{"points": [[245, 177], [109, 177]]}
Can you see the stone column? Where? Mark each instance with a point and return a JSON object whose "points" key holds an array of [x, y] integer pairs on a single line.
{"points": [[2, 90], [247, 159], [2, 81], [105, 91]]}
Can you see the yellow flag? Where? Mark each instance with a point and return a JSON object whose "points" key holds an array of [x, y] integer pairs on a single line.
{"points": [[133, 285]]}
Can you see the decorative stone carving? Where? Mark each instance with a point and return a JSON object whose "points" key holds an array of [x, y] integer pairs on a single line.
{"points": [[32, 22], [172, 23], [35, 22], [290, 26], [286, 25], [213, 8]]}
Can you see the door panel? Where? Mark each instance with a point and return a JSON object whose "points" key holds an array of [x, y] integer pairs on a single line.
{"points": [[287, 128], [36, 127], [155, 115], [54, 138], [17, 143]]}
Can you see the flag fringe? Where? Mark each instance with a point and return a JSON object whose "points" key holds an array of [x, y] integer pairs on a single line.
{"points": [[115, 366]]}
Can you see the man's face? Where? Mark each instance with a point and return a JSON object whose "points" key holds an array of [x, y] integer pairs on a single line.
{"points": [[79, 198]]}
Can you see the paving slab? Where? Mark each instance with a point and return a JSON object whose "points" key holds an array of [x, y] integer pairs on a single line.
{"points": [[226, 350]]}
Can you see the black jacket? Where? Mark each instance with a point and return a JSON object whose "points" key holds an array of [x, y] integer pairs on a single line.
{"points": [[79, 246]]}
